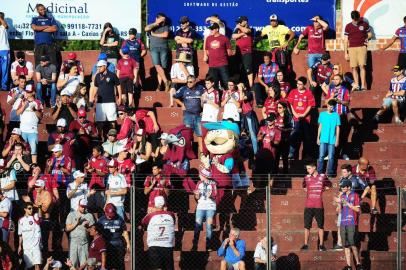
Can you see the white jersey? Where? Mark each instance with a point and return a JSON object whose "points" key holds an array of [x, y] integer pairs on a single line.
{"points": [[207, 192], [114, 183], [210, 113], [30, 230], [160, 228], [28, 119], [80, 193], [5, 180], [72, 83]]}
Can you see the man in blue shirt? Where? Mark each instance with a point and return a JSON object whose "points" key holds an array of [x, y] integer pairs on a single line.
{"points": [[44, 27], [233, 251], [328, 137], [189, 97]]}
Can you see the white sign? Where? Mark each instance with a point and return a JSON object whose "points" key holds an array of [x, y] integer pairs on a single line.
{"points": [[76, 19], [384, 16]]}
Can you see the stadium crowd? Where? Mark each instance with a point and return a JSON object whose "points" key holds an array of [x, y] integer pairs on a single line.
{"points": [[82, 189]]}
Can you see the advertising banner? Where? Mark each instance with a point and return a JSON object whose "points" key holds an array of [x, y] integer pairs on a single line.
{"points": [[76, 19], [384, 16], [295, 14]]}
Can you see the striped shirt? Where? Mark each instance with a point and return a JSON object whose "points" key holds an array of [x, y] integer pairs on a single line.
{"points": [[268, 72], [348, 216], [342, 94], [401, 34], [397, 85]]}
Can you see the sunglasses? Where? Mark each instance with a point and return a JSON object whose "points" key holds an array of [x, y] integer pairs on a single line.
{"points": [[335, 68], [280, 107], [29, 208], [81, 117], [120, 113], [190, 81]]}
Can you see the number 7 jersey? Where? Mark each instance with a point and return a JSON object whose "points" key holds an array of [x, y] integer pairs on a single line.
{"points": [[160, 228]]}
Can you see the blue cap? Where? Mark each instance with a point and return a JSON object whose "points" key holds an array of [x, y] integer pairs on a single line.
{"points": [[125, 50], [223, 125], [102, 56]]}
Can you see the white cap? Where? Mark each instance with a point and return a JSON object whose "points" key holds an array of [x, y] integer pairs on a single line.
{"points": [[39, 183], [140, 132], [77, 174], [273, 17], [159, 201], [163, 136], [57, 148], [65, 92], [61, 122], [102, 63], [82, 202], [2, 163], [16, 131], [56, 264]]}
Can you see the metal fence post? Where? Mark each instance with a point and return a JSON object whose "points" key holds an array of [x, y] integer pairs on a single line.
{"points": [[268, 227], [133, 226], [399, 230]]}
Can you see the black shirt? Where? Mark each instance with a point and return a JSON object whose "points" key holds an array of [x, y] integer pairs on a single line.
{"points": [[65, 113], [106, 82]]}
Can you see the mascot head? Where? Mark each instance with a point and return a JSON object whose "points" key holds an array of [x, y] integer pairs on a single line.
{"points": [[180, 141], [222, 137]]}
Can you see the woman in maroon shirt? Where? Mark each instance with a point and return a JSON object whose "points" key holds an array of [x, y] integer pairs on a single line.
{"points": [[274, 94]]}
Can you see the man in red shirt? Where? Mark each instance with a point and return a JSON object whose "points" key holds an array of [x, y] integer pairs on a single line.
{"points": [[97, 249], [315, 39], [314, 184], [156, 185], [218, 48], [367, 174], [63, 137], [127, 72], [125, 165], [356, 36], [301, 101], [243, 37], [319, 75]]}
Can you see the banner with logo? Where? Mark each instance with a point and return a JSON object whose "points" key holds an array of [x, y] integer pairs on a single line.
{"points": [[384, 16], [295, 14], [76, 19]]}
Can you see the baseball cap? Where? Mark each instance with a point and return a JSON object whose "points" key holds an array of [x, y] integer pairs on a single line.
{"points": [[125, 50], [121, 108], [57, 148], [56, 264], [77, 174], [39, 183], [16, 131], [102, 56], [159, 201], [2, 163], [83, 203], [140, 132], [112, 132], [112, 163], [325, 56], [110, 210], [163, 136], [346, 183], [72, 56], [184, 19], [29, 88], [214, 26], [241, 19], [81, 113], [102, 63], [61, 122], [44, 58], [273, 17], [65, 92], [132, 31], [271, 118], [205, 172]]}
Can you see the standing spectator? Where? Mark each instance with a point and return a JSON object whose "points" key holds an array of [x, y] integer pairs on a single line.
{"points": [[218, 48], [136, 46], [4, 53], [141, 152], [243, 36], [63, 137], [44, 28], [126, 165], [207, 31], [261, 257], [8, 181], [184, 38], [315, 34], [145, 119], [96, 69], [301, 101], [107, 86], [127, 73], [109, 43], [19, 162], [328, 136], [29, 232], [71, 59], [178, 74], [13, 95], [205, 194], [156, 185], [283, 85], [21, 67], [401, 35], [5, 216], [77, 223], [158, 45], [45, 73], [272, 100], [211, 101], [116, 188], [30, 110], [231, 102], [249, 120], [70, 80], [127, 127], [160, 226], [284, 124], [367, 174], [395, 97], [114, 231], [65, 108], [97, 249], [314, 184], [356, 36], [233, 251], [189, 98], [78, 190], [318, 75], [349, 206], [50, 184], [266, 76]]}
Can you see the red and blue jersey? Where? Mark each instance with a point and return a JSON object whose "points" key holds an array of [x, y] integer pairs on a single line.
{"points": [[401, 34], [268, 72], [349, 217], [341, 93], [397, 85]]}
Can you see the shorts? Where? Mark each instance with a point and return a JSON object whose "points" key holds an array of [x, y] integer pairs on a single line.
{"points": [[161, 258], [310, 213], [127, 86], [234, 266], [402, 60], [106, 112], [159, 56], [246, 60], [32, 139], [32, 257], [358, 56], [193, 121], [387, 102], [348, 235]]}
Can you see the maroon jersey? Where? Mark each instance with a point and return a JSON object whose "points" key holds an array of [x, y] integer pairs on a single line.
{"points": [[97, 247], [357, 33], [88, 128], [270, 105], [369, 176], [270, 137], [315, 39], [99, 163], [65, 139], [315, 186], [126, 167], [158, 190]]}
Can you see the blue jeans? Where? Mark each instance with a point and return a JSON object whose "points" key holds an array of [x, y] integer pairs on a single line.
{"points": [[32, 139], [253, 136], [312, 58], [40, 87], [4, 68], [120, 211], [330, 148], [203, 215], [193, 121]]}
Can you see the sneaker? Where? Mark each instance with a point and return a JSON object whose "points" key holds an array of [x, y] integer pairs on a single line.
{"points": [[398, 121], [359, 267], [346, 157], [374, 211], [337, 247], [326, 158], [304, 247], [322, 248], [376, 118]]}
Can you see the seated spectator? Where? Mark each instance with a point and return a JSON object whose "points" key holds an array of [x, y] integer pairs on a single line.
{"points": [[19, 162], [77, 223], [126, 166], [65, 108], [266, 77], [46, 80], [71, 59], [80, 97], [156, 185], [127, 73], [13, 95], [395, 98], [112, 146], [285, 125], [319, 74], [8, 258], [109, 43], [50, 183], [98, 248], [231, 102], [179, 73], [63, 137], [205, 194], [15, 137], [271, 102], [53, 264], [5, 216], [145, 119], [367, 174], [160, 151], [116, 188], [70, 80], [78, 190], [233, 251], [347, 80], [8, 181], [261, 257], [114, 232], [21, 67], [30, 111], [141, 151]]}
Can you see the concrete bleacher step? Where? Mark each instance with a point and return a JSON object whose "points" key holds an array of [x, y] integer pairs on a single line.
{"points": [[387, 150], [367, 99], [390, 133]]}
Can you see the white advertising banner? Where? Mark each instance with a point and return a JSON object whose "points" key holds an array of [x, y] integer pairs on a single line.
{"points": [[76, 19], [384, 16]]}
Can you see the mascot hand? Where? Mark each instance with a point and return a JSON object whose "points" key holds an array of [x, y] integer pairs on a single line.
{"points": [[205, 160], [221, 167]]}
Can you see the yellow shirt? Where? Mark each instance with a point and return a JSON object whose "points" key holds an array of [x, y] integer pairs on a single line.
{"points": [[276, 35]]}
